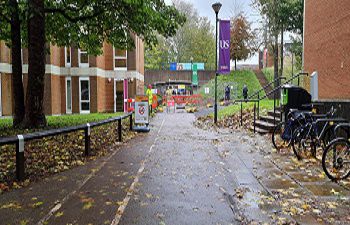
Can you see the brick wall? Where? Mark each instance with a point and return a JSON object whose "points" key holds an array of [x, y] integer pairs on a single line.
{"points": [[108, 57], [6, 96], [56, 91], [5, 55], [63, 95], [109, 95], [327, 46], [140, 88], [56, 56], [93, 94], [101, 89], [101, 94]]}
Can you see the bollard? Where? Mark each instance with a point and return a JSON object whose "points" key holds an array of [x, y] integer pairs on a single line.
{"points": [[130, 122], [20, 158], [120, 130], [87, 131]]}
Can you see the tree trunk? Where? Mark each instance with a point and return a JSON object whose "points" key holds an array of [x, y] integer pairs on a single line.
{"points": [[281, 54], [17, 84], [235, 64], [35, 116]]}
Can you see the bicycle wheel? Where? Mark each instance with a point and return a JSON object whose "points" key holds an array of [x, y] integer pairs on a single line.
{"points": [[330, 135], [281, 136], [299, 142], [336, 159]]}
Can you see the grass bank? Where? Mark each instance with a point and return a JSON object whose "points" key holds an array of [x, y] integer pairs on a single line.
{"points": [[236, 79], [287, 72]]}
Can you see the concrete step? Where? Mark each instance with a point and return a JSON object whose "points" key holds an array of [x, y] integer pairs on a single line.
{"points": [[277, 113], [259, 130], [270, 119], [265, 125]]}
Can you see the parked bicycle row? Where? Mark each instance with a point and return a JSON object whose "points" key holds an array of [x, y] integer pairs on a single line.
{"points": [[307, 133]]}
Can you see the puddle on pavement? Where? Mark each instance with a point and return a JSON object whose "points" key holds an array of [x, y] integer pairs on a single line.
{"points": [[308, 219], [302, 177], [280, 184], [254, 206], [327, 189]]}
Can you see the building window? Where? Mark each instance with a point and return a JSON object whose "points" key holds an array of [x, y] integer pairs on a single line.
{"points": [[68, 95], [83, 58], [67, 56], [84, 94], [120, 59]]}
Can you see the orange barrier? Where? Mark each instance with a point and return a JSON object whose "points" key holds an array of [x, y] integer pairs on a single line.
{"points": [[129, 105], [190, 99], [154, 101]]}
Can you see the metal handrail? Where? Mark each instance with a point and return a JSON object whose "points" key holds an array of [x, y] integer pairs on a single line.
{"points": [[266, 95], [20, 140], [286, 82], [266, 86]]}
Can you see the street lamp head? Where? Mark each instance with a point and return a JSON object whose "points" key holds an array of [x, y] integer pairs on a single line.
{"points": [[216, 7]]}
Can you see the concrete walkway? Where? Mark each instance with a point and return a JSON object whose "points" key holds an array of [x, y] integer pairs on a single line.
{"points": [[180, 174]]}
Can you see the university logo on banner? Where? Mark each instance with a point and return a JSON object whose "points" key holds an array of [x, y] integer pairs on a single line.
{"points": [[224, 47]]}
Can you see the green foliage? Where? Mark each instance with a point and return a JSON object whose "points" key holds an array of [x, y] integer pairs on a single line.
{"points": [[89, 24], [5, 16], [243, 43], [297, 50], [194, 39], [282, 14], [239, 78], [268, 72]]}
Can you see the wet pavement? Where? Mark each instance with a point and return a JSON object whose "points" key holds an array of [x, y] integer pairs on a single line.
{"points": [[181, 174]]}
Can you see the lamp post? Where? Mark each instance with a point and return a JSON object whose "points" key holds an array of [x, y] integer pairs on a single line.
{"points": [[216, 8]]}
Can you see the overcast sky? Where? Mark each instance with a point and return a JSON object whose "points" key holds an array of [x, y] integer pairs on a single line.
{"points": [[228, 9]]}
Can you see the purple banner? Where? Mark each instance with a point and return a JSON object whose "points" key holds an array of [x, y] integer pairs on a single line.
{"points": [[224, 47]]}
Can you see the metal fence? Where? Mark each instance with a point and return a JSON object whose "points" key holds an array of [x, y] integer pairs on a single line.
{"points": [[20, 140]]}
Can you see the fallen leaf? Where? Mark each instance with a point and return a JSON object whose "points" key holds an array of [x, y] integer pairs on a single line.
{"points": [[37, 204], [59, 214]]}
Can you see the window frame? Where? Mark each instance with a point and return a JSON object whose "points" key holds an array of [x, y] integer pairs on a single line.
{"points": [[120, 57], [69, 111], [84, 101], [65, 57], [82, 65]]}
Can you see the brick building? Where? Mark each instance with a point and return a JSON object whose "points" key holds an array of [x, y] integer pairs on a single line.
{"points": [[327, 47], [76, 82]]}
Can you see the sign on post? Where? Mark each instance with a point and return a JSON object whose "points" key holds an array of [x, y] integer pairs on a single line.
{"points": [[141, 110], [224, 47]]}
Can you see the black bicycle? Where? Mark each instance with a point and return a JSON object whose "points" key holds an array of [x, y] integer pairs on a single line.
{"points": [[336, 156], [283, 132], [318, 132]]}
